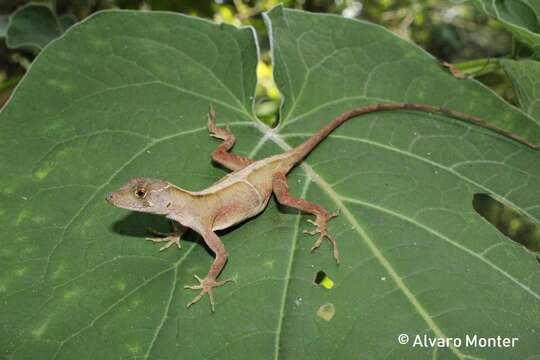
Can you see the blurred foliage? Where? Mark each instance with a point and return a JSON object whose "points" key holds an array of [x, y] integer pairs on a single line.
{"points": [[509, 221], [451, 32], [457, 33], [33, 26]]}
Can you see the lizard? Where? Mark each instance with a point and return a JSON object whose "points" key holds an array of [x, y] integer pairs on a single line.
{"points": [[245, 191]]}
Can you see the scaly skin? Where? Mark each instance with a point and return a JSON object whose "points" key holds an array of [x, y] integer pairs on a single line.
{"points": [[246, 191]]}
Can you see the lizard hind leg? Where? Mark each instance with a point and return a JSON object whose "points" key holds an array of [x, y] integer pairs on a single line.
{"points": [[221, 154], [322, 216]]}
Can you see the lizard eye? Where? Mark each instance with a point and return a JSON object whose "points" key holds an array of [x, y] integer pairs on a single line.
{"points": [[140, 193]]}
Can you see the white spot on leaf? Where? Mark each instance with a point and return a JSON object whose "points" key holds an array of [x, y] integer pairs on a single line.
{"points": [[326, 311]]}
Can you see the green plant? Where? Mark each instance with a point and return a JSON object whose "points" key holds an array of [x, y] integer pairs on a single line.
{"points": [[33, 26], [78, 280]]}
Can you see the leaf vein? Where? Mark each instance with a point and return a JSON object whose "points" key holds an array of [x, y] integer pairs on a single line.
{"points": [[446, 239]]}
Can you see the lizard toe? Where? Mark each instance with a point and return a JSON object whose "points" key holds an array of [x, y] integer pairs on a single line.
{"points": [[206, 286]]}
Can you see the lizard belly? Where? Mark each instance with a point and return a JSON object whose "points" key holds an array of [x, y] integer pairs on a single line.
{"points": [[243, 193], [239, 202]]}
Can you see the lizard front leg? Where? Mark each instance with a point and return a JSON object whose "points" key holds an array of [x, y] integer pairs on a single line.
{"points": [[222, 155], [322, 216], [171, 238], [210, 281]]}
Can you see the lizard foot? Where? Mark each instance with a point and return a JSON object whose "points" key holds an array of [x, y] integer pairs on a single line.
{"points": [[321, 223], [170, 238], [213, 130], [205, 285]]}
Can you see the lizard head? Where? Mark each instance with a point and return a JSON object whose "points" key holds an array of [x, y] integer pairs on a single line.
{"points": [[144, 195]]}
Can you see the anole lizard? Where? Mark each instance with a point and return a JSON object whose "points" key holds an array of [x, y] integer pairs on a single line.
{"points": [[245, 192]]}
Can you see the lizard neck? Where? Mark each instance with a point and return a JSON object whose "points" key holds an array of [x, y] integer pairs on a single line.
{"points": [[181, 204]]}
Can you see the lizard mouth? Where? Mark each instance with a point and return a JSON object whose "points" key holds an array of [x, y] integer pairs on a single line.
{"points": [[119, 201], [113, 199]]}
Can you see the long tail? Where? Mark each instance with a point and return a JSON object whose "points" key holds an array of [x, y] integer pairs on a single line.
{"points": [[300, 152]]}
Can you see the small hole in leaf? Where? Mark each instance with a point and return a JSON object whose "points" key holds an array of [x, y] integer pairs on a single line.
{"points": [[319, 277], [322, 279], [509, 221], [267, 95]]}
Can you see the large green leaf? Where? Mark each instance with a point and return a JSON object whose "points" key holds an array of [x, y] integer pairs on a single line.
{"points": [[124, 94], [520, 17], [525, 76]]}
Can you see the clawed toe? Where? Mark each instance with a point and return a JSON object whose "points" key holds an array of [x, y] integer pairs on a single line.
{"points": [[195, 287], [335, 214], [213, 130], [169, 238], [321, 223], [317, 243], [205, 285], [172, 239]]}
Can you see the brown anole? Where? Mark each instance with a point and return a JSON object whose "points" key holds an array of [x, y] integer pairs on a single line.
{"points": [[246, 191]]}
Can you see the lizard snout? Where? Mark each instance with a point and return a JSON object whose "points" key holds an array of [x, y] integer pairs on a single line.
{"points": [[109, 197]]}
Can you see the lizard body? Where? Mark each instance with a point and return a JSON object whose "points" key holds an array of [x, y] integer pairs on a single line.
{"points": [[246, 191]]}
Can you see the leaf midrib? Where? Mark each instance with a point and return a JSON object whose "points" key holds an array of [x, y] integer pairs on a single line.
{"points": [[426, 317]]}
